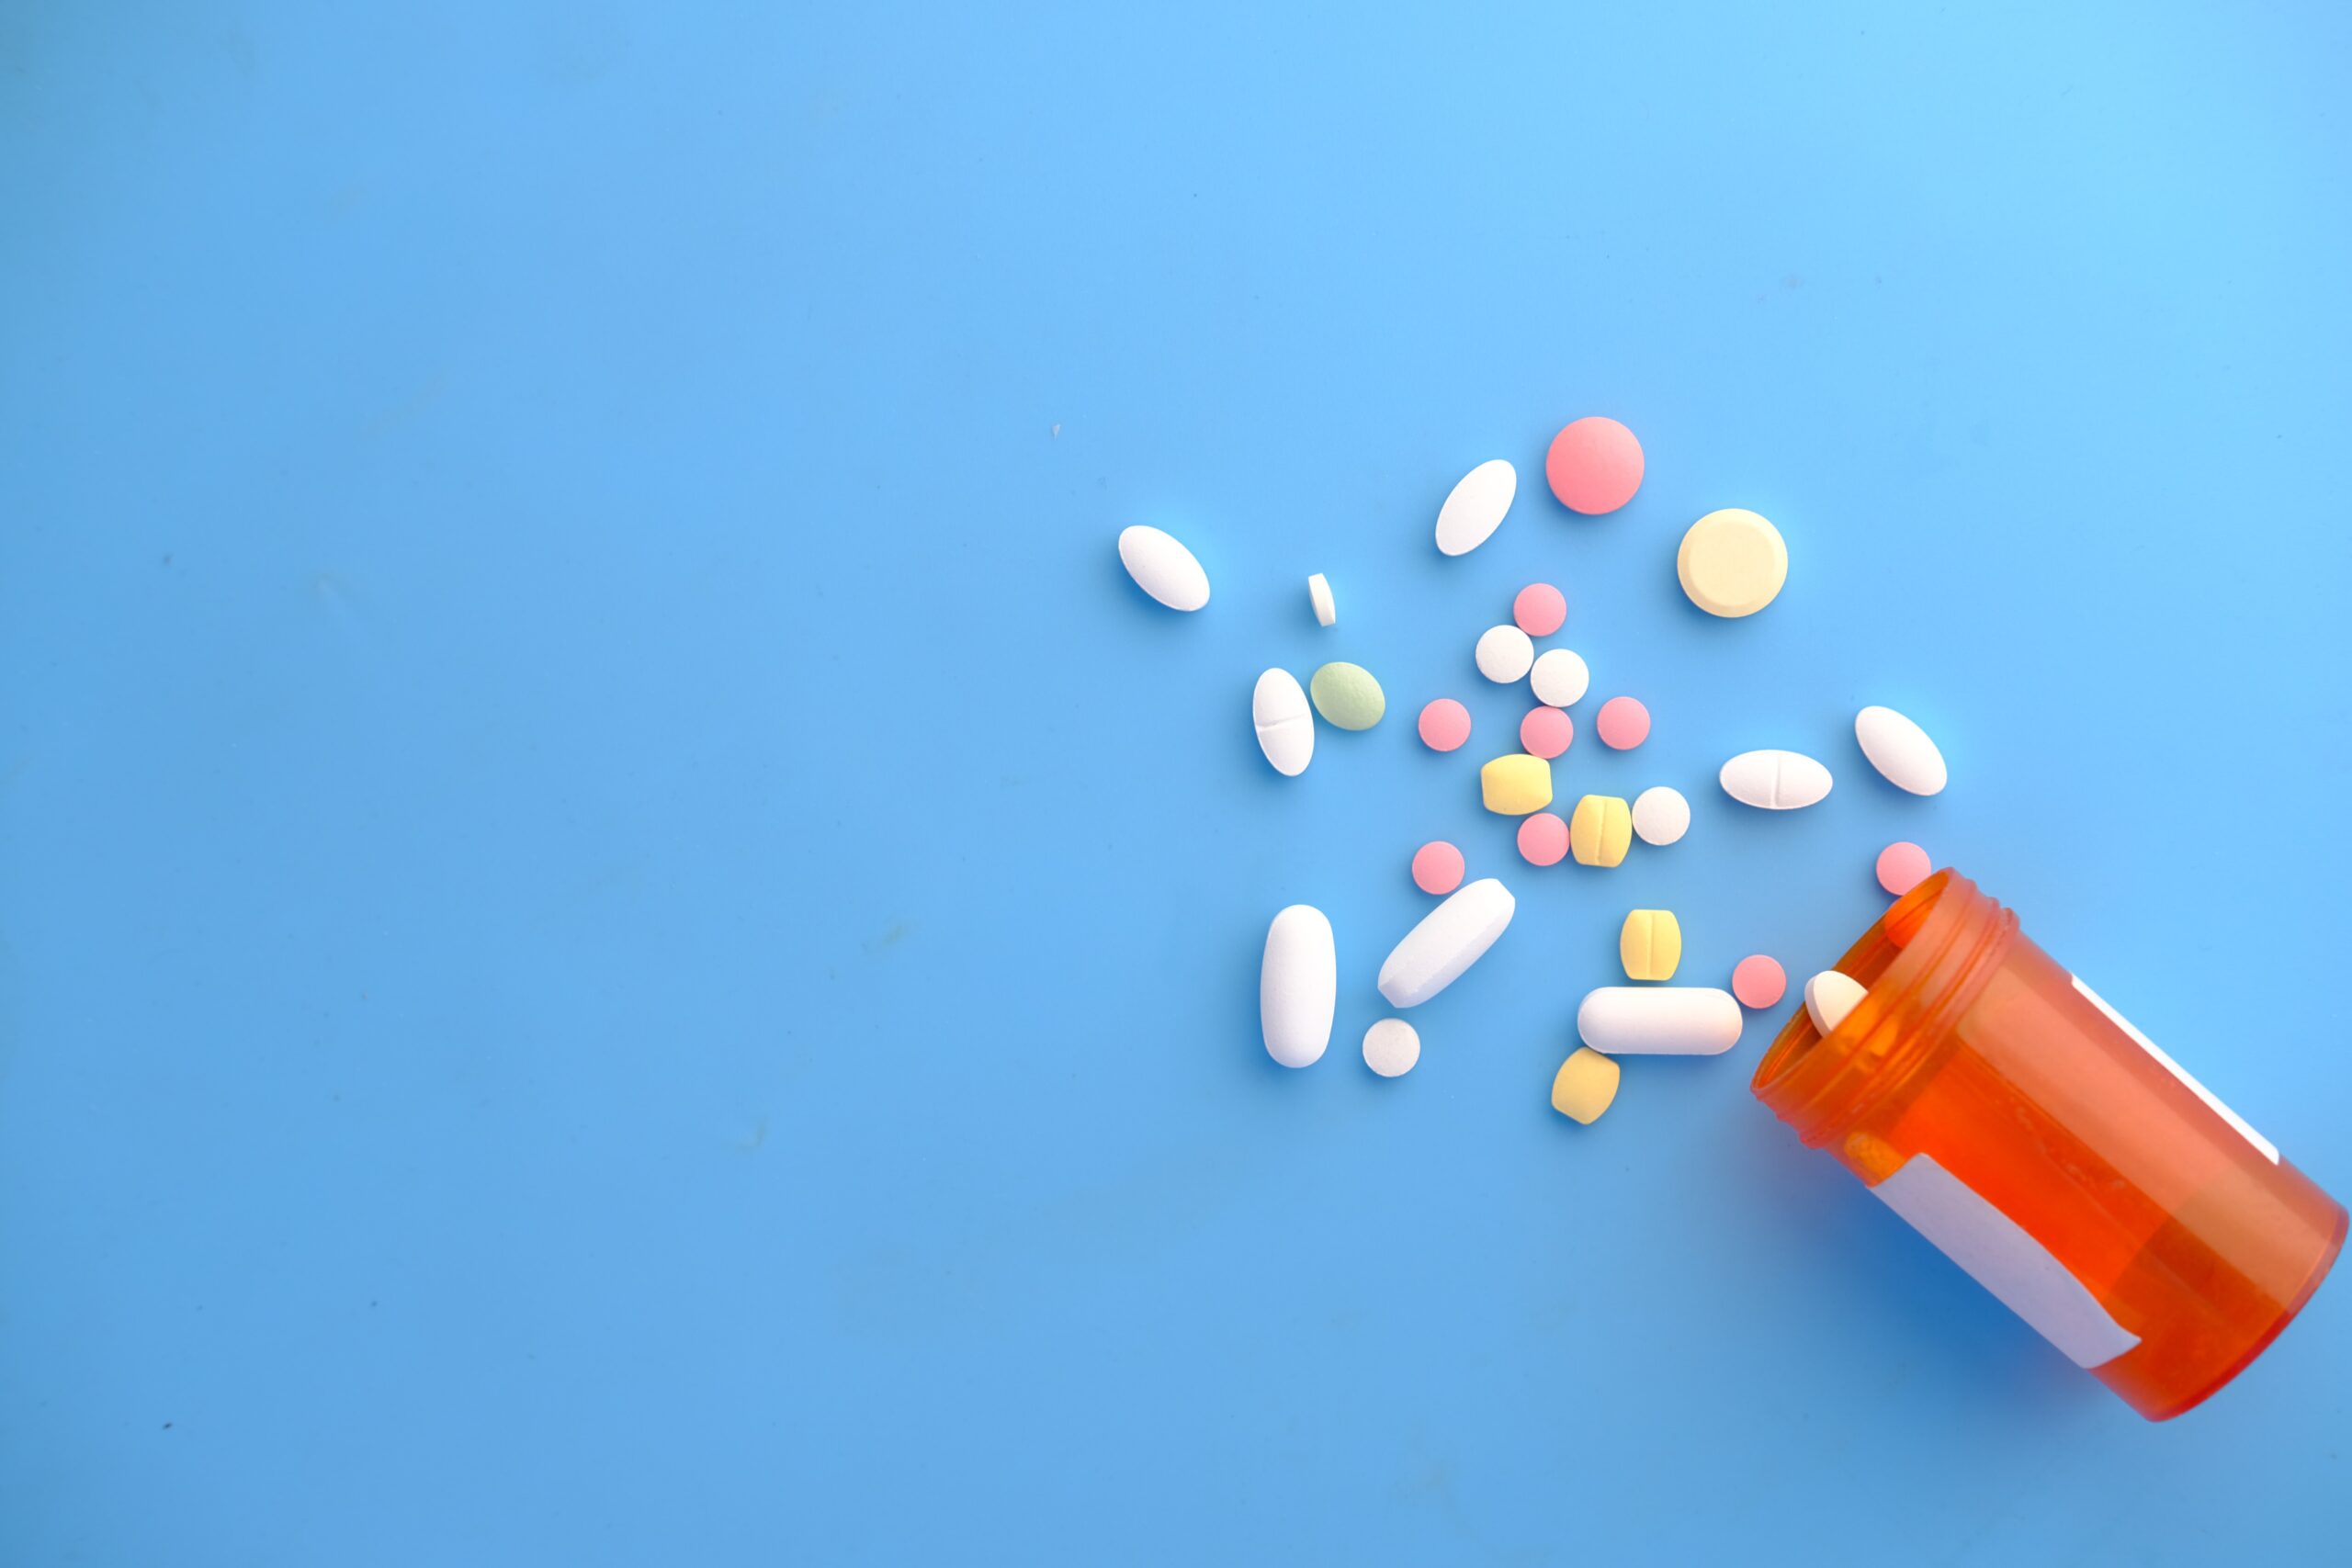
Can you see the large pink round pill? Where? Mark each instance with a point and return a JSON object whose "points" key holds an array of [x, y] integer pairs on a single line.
{"points": [[1902, 867], [1622, 724], [1759, 981], [1445, 724], [1542, 839], [1545, 732], [1437, 867], [1595, 466], [1540, 609]]}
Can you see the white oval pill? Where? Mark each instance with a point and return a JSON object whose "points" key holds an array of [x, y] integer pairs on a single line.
{"points": [[1319, 593], [1830, 995], [1504, 654], [1449, 939], [1298, 985], [1900, 750], [1559, 678], [1163, 568], [1285, 724], [1475, 506], [1658, 1020], [1775, 781], [1391, 1047], [1660, 814]]}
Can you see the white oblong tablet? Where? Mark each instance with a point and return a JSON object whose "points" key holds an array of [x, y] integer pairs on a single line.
{"points": [[1391, 1047], [1900, 751], [1285, 724], [1660, 814], [1475, 506], [1658, 1020], [1559, 678], [1449, 939], [1319, 593], [1504, 654], [1163, 568], [1774, 781], [1298, 985], [1830, 995]]}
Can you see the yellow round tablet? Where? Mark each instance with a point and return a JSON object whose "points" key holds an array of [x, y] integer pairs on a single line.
{"points": [[1732, 562]]}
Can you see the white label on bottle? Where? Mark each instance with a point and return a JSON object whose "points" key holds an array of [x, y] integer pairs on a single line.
{"points": [[2269, 1150], [2005, 1260]]}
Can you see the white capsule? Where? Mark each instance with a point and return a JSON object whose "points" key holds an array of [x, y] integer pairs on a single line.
{"points": [[1559, 679], [1503, 654], [1163, 568], [1658, 1020], [1660, 814], [1449, 939], [1829, 996], [1900, 750], [1298, 985], [1475, 507], [1775, 781], [1319, 593], [1285, 724]]}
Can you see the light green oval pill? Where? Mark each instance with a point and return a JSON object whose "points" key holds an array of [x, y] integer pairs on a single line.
{"points": [[1347, 695]]}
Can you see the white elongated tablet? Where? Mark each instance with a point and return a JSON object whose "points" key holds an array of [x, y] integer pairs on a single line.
{"points": [[1475, 506], [1900, 751], [1503, 654], [1449, 939], [1560, 677], [1319, 593], [1285, 724], [1830, 995], [1660, 814], [1775, 781], [1298, 985], [1658, 1020], [1163, 568]]}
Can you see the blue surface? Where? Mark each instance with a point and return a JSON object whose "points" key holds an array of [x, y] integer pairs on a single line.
{"points": [[624, 944]]}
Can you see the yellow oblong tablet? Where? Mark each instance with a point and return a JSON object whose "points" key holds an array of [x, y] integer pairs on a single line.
{"points": [[1650, 944], [1600, 831], [1732, 562], [1585, 1085], [1516, 785]]}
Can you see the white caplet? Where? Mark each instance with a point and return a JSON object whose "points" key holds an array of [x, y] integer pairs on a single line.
{"points": [[1829, 996], [1298, 985], [1475, 507], [1163, 568], [1285, 724], [1900, 750], [1658, 1020], [1449, 939], [1775, 781]]}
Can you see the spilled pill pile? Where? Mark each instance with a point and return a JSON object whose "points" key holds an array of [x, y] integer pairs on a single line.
{"points": [[1731, 563]]}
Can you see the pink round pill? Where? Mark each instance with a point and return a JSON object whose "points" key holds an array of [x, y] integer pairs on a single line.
{"points": [[1437, 867], [1902, 867], [1445, 724], [1540, 609], [1594, 466], [1545, 732], [1622, 724], [1759, 981], [1542, 839]]}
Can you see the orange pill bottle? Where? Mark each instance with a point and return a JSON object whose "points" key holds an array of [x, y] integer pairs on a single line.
{"points": [[2020, 1123]]}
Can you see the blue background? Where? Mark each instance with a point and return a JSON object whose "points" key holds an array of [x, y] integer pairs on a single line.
{"points": [[624, 944]]}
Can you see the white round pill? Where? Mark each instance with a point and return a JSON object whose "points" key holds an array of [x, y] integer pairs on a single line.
{"points": [[1660, 814], [1504, 654], [1391, 1047], [1560, 677]]}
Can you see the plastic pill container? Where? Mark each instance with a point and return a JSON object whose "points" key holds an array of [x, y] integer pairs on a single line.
{"points": [[1997, 1103]]}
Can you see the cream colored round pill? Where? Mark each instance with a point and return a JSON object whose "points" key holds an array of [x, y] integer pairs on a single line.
{"points": [[1660, 814], [1732, 562], [1559, 678], [1504, 654], [1391, 1046]]}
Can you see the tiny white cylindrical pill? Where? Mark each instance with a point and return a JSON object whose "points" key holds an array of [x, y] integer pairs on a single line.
{"points": [[1830, 995], [1560, 677], [1391, 1047], [1504, 654], [1774, 781], [1319, 593], [1285, 724], [1658, 1020], [1449, 939], [1660, 814], [1163, 568], [1900, 751], [1298, 985], [1475, 507]]}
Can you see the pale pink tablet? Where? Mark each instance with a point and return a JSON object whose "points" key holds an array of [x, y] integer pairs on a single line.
{"points": [[1622, 724], [1437, 867], [1595, 466], [1759, 981], [1542, 839], [1902, 867], [1445, 724], [1540, 609], [1545, 733]]}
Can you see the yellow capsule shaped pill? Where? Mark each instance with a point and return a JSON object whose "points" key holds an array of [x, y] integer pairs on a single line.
{"points": [[1585, 1085], [1650, 944], [1517, 785], [1600, 831]]}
